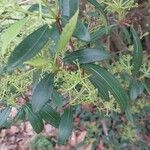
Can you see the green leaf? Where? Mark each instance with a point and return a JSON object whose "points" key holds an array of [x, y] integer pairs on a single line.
{"points": [[68, 7], [42, 92], [87, 55], [81, 32], [112, 84], [8, 36], [50, 115], [100, 8], [54, 36], [35, 119], [20, 114], [4, 114], [102, 31], [28, 48], [35, 7], [136, 88], [57, 98], [65, 127], [138, 51], [102, 89], [67, 33]]}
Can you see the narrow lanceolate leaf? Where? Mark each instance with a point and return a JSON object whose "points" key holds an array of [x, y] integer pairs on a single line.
{"points": [[4, 114], [102, 31], [57, 98], [109, 81], [50, 115], [28, 48], [87, 55], [8, 36], [67, 33], [81, 32], [102, 89], [42, 92], [68, 7], [35, 119], [138, 51], [136, 88], [65, 127]]}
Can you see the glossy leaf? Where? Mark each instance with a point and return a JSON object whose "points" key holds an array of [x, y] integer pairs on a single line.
{"points": [[57, 98], [42, 92], [109, 81], [54, 36], [102, 89], [50, 115], [87, 55], [81, 32], [35, 120], [28, 48], [136, 88], [102, 31], [4, 114], [138, 51], [67, 33], [68, 7], [8, 36], [65, 127]]}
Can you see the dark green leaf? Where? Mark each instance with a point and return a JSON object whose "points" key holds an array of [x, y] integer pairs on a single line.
{"points": [[112, 84], [138, 51], [103, 31], [68, 7], [65, 127], [35, 120], [20, 114], [87, 55], [81, 32], [54, 36], [42, 92], [50, 115], [136, 88], [57, 98], [4, 114], [28, 48], [102, 90], [100, 8]]}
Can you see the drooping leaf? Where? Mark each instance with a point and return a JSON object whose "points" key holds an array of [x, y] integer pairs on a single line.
{"points": [[35, 119], [42, 92], [102, 31], [68, 7], [65, 127], [8, 36], [67, 33], [136, 88], [109, 81], [87, 55], [4, 114], [57, 98], [138, 51], [28, 48], [81, 32], [50, 115]]}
